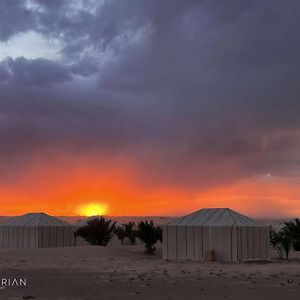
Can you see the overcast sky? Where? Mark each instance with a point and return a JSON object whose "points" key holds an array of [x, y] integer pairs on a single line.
{"points": [[195, 95]]}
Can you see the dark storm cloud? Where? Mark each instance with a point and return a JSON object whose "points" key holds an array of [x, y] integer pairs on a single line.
{"points": [[42, 72], [15, 18], [198, 92]]}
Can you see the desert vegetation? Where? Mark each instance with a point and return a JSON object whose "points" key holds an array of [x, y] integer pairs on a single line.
{"points": [[149, 234], [286, 238], [98, 231]]}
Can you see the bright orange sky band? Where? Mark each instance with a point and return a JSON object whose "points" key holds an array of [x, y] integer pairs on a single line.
{"points": [[66, 188]]}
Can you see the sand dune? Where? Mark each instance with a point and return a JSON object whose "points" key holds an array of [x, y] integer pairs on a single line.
{"points": [[123, 272]]}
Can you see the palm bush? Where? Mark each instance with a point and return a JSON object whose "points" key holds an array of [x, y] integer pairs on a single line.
{"points": [[281, 242], [149, 234], [98, 231], [120, 233], [293, 227], [130, 232], [275, 243]]}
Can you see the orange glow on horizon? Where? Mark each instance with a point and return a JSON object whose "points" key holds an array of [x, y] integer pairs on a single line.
{"points": [[91, 209], [67, 187]]}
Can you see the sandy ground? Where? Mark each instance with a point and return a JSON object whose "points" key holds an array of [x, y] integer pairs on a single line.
{"points": [[125, 272]]}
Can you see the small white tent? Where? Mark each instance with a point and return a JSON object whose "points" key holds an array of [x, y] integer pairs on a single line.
{"points": [[36, 230], [230, 235]]}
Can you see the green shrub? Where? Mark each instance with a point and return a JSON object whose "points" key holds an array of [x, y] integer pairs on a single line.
{"points": [[98, 231], [149, 234], [293, 227], [120, 233], [281, 241], [130, 232]]}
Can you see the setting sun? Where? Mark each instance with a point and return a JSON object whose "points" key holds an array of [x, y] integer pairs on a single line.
{"points": [[92, 209]]}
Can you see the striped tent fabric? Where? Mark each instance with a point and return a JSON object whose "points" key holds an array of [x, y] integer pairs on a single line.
{"points": [[36, 230], [216, 234]]}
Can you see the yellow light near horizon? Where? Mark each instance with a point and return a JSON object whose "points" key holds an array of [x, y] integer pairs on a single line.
{"points": [[92, 209]]}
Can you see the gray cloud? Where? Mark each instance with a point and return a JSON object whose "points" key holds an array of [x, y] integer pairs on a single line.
{"points": [[42, 72], [197, 92], [15, 18]]}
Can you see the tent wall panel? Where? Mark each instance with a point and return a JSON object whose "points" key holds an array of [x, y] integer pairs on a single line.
{"points": [[53, 235], [46, 237], [256, 244], [230, 243], [226, 244], [16, 237], [34, 237], [190, 242], [164, 242], [172, 242], [10, 237], [181, 242], [205, 242], [21, 237], [25, 237], [214, 240], [244, 242], [67, 237], [234, 243], [268, 243], [3, 243], [264, 234], [40, 237], [6, 239], [197, 232], [60, 237], [1, 237], [250, 243], [239, 244]]}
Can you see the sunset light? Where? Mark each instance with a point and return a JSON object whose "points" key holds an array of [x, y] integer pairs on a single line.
{"points": [[162, 114], [92, 209], [140, 135]]}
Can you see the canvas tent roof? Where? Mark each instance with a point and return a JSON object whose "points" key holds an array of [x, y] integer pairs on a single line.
{"points": [[34, 219], [215, 217]]}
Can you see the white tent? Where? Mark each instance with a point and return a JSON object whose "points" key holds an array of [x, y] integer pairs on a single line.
{"points": [[36, 230], [229, 235]]}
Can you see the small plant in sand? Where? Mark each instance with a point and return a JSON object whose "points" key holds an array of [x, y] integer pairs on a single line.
{"points": [[130, 232], [149, 234], [293, 228], [286, 242], [120, 233], [275, 243], [98, 231], [281, 241]]}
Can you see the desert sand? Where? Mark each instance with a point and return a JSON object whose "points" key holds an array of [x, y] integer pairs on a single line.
{"points": [[125, 272]]}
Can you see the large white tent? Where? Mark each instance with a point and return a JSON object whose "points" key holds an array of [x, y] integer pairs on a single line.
{"points": [[36, 230], [219, 232]]}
